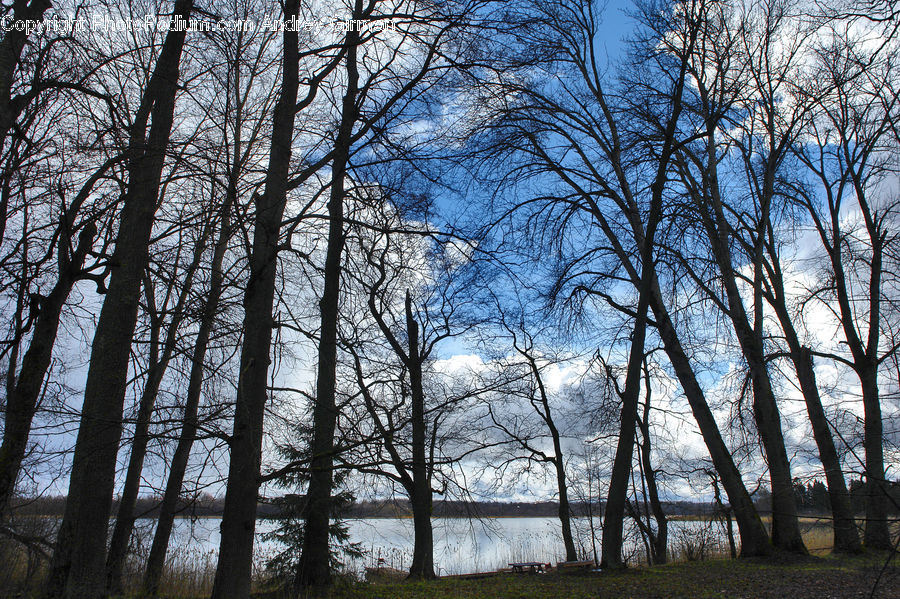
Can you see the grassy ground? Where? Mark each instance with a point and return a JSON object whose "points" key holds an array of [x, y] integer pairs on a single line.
{"points": [[824, 578]]}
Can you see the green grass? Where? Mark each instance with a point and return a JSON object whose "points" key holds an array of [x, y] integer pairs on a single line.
{"points": [[782, 576]]}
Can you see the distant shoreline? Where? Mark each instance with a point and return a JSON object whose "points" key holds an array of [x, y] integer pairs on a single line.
{"points": [[210, 507]]}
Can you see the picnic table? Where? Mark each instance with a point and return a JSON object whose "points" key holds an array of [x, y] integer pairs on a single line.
{"points": [[530, 567]]}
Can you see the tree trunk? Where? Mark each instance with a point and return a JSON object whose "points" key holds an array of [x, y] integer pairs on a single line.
{"points": [[726, 514], [614, 514], [865, 362], [616, 499], [21, 403], [661, 540], [156, 559], [125, 518], [785, 525], [239, 518], [315, 559], [565, 511], [423, 538], [754, 539], [846, 537], [877, 533], [421, 499], [77, 568]]}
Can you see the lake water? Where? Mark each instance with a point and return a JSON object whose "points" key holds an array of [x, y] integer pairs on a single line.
{"points": [[461, 545]]}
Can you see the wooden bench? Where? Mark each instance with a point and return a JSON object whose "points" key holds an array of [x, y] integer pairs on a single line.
{"points": [[574, 566], [529, 567]]}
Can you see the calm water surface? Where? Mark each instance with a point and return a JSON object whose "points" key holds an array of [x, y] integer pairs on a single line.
{"points": [[461, 545]]}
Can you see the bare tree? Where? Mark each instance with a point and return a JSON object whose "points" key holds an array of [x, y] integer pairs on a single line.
{"points": [[610, 154], [656, 538], [163, 343], [79, 557], [717, 70], [524, 386], [427, 33], [50, 212], [239, 519], [243, 114], [853, 133]]}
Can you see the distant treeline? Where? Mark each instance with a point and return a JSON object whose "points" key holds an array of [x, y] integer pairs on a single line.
{"points": [[209, 506], [811, 498]]}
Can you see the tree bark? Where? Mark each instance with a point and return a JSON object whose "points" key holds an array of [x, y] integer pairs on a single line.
{"points": [[565, 510], [421, 499], [785, 525], [239, 518], [125, 517], [846, 537], [315, 559], [614, 514], [877, 534], [77, 568]]}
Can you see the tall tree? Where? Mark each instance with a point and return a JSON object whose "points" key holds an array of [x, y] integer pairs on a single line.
{"points": [[716, 86], [23, 394], [315, 562], [48, 203], [241, 117], [775, 46], [239, 518], [609, 152], [379, 90], [79, 557], [854, 138]]}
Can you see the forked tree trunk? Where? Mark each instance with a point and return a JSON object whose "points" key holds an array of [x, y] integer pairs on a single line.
{"points": [[785, 524], [78, 564], [617, 496], [239, 518], [23, 392], [705, 192], [877, 533]]}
